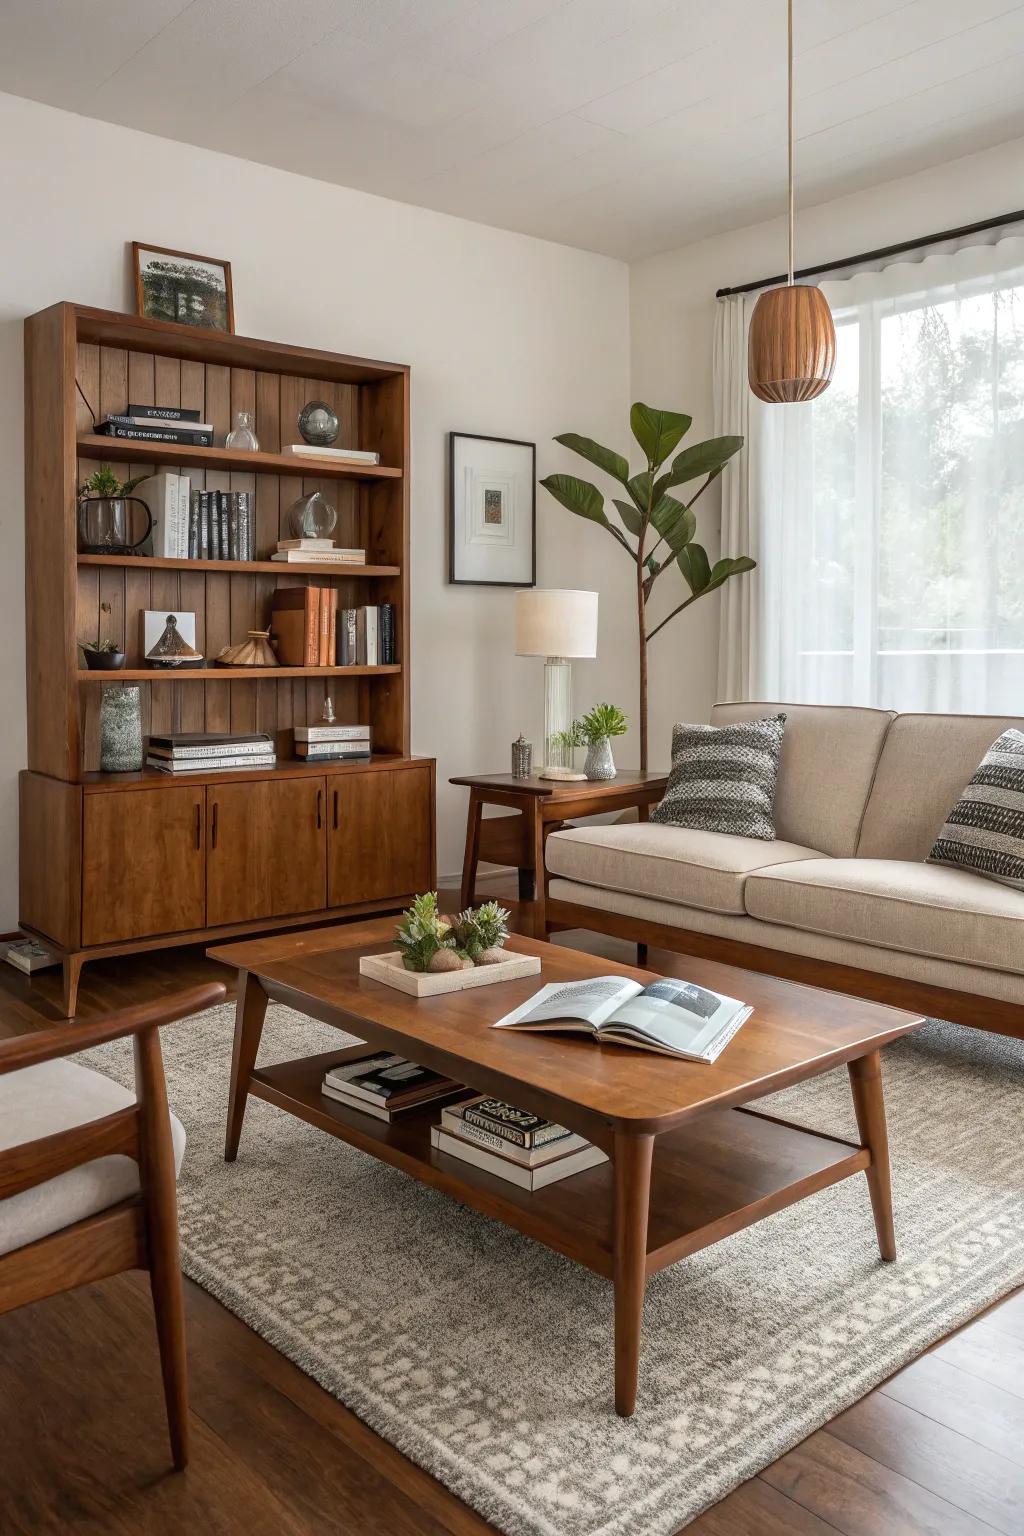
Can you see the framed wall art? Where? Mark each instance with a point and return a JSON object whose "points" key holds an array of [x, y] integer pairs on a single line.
{"points": [[185, 289], [492, 511]]}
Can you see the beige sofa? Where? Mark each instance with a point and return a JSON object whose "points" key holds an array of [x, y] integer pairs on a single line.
{"points": [[843, 897]]}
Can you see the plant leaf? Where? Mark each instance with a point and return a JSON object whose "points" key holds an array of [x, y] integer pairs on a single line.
{"points": [[723, 569], [656, 431], [696, 568], [579, 496], [630, 516], [640, 489], [703, 459], [605, 458], [675, 522]]}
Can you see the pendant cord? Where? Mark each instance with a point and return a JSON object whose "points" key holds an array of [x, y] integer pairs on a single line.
{"points": [[789, 10]]}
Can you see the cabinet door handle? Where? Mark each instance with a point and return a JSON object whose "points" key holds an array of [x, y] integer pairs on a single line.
{"points": [[319, 809], [335, 814], [213, 825], [199, 826]]}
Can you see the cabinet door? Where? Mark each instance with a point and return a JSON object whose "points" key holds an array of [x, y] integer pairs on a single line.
{"points": [[143, 863], [381, 834], [266, 849]]}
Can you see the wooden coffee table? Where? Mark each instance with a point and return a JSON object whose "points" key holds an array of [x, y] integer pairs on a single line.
{"points": [[690, 1161]]}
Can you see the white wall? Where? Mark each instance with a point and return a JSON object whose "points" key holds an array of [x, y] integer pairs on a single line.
{"points": [[505, 335], [672, 307]]}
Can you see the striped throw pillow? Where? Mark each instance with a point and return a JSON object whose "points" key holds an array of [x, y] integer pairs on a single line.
{"points": [[723, 777], [984, 831]]}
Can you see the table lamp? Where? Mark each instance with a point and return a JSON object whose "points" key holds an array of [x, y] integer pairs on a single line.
{"points": [[556, 624]]}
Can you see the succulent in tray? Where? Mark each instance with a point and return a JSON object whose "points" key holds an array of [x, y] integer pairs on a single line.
{"points": [[481, 931], [429, 942], [423, 933]]}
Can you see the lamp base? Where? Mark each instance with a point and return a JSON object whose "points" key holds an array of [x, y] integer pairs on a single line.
{"points": [[557, 710]]}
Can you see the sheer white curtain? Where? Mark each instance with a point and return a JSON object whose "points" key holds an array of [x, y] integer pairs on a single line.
{"points": [[887, 516]]}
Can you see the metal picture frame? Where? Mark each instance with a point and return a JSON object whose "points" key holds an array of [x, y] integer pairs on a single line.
{"points": [[492, 521]]}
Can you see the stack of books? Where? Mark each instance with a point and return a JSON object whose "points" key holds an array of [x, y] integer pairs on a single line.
{"points": [[316, 552], [27, 956], [354, 456], [158, 424], [206, 751], [521, 1148], [385, 1086], [324, 743], [221, 526], [311, 630]]}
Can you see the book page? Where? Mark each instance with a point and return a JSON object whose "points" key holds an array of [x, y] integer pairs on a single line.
{"points": [[590, 1002], [677, 1014]]}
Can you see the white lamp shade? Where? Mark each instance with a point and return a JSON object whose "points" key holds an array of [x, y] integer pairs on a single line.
{"points": [[556, 622]]}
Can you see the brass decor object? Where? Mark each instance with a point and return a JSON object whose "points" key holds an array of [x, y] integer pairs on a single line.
{"points": [[254, 651], [791, 348]]}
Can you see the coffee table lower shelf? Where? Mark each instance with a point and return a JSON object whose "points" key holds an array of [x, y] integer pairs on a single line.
{"points": [[711, 1177]]}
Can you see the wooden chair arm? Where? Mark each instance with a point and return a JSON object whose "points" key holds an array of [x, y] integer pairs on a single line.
{"points": [[66, 1039]]}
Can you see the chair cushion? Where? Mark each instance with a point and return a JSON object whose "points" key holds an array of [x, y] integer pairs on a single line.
{"points": [[829, 756], [921, 908], [696, 869], [925, 763], [984, 831], [40, 1101], [723, 778]]}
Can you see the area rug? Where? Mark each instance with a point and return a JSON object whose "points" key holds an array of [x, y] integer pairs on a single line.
{"points": [[488, 1360]]}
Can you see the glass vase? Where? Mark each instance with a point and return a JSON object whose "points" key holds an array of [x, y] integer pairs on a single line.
{"points": [[312, 517], [121, 729], [242, 435]]}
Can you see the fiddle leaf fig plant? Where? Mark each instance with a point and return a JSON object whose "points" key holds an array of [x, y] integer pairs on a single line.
{"points": [[655, 528]]}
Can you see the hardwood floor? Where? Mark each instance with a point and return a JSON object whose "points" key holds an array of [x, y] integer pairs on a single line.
{"points": [[936, 1451]]}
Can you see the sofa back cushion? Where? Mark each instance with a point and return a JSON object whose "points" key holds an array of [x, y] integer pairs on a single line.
{"points": [[829, 756], [925, 764]]}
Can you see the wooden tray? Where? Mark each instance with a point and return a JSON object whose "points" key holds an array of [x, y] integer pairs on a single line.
{"points": [[390, 970]]}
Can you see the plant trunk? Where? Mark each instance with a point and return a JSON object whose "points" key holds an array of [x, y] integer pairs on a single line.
{"points": [[641, 610]]}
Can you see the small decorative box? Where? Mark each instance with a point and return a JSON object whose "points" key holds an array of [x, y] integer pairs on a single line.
{"points": [[390, 970]]}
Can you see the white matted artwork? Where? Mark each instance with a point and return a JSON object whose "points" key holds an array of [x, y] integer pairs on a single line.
{"points": [[492, 511]]}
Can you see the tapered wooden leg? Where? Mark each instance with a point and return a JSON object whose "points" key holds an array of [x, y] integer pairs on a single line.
{"points": [[632, 1170], [250, 1011], [535, 829], [159, 1195], [71, 968], [472, 856], [641, 954], [869, 1103]]}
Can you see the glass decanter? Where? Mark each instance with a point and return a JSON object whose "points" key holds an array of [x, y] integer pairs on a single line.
{"points": [[242, 436]]}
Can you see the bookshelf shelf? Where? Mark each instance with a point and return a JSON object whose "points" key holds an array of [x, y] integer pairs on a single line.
{"points": [[183, 455], [229, 674], [287, 768], [240, 567]]}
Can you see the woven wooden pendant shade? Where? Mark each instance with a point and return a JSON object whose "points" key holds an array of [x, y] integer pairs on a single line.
{"points": [[791, 348]]}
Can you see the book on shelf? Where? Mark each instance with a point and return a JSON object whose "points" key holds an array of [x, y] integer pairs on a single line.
{"points": [[507, 1168], [174, 413], [28, 957], [335, 732], [333, 455], [196, 745], [167, 495], [319, 556], [158, 423], [307, 544], [295, 622], [334, 752], [220, 526], [209, 764], [183, 436], [487, 1122], [384, 1085], [366, 636], [673, 1018]]}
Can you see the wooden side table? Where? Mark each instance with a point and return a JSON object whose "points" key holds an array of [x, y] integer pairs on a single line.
{"points": [[542, 805]]}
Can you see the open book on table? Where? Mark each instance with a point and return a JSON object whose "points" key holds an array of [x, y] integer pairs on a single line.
{"points": [[675, 1018]]}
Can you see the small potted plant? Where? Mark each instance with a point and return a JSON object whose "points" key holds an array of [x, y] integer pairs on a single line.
{"points": [[102, 655], [104, 511], [596, 729]]}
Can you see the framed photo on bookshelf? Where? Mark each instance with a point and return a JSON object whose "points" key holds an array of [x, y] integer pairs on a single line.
{"points": [[492, 511], [182, 288]]}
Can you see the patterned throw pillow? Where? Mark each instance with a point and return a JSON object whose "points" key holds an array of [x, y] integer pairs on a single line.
{"points": [[723, 777], [984, 831]]}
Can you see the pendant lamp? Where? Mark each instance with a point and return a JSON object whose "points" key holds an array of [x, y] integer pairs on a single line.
{"points": [[791, 349]]}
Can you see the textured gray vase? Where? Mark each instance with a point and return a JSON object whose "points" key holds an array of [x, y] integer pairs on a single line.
{"points": [[600, 763], [121, 729]]}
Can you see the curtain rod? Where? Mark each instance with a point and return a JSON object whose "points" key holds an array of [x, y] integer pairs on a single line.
{"points": [[885, 250]]}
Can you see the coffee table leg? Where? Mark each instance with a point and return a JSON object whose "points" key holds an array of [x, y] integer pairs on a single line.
{"points": [[250, 1011], [868, 1101], [632, 1169]]}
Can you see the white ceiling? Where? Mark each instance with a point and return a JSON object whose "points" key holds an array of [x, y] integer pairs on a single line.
{"points": [[624, 126]]}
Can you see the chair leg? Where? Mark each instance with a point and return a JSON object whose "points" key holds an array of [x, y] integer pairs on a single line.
{"points": [[159, 1195]]}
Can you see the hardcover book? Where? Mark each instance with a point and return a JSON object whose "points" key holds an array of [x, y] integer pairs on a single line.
{"points": [[166, 412]]}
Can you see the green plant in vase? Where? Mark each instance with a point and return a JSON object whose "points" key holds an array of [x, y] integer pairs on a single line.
{"points": [[597, 728]]}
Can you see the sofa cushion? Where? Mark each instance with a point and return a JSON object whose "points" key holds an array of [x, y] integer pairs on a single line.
{"points": [[984, 832], [921, 908], [696, 869], [925, 763], [723, 778], [40, 1101], [829, 756]]}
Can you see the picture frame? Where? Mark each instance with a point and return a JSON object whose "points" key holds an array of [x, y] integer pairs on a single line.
{"points": [[182, 288], [168, 639], [492, 511]]}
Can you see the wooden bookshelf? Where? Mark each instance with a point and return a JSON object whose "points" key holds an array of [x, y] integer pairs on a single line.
{"points": [[93, 878]]}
